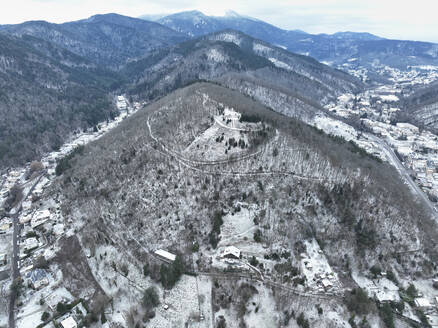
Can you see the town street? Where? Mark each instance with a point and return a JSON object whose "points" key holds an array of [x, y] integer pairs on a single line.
{"points": [[393, 159]]}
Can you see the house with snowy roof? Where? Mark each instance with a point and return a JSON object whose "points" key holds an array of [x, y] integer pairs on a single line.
{"points": [[69, 323], [37, 278], [40, 218], [30, 244], [231, 252], [422, 303]]}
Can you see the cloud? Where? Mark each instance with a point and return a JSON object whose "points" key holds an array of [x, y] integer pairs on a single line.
{"points": [[388, 18]]}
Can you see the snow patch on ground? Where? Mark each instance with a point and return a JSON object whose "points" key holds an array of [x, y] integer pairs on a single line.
{"points": [[3, 320], [261, 49], [215, 56], [205, 147], [427, 67], [383, 289], [280, 64], [316, 268], [204, 297], [281, 46], [183, 306], [237, 226], [337, 319], [266, 313], [229, 37], [334, 127], [389, 98]]}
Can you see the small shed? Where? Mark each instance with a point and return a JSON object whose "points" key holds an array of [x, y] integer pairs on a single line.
{"points": [[231, 252], [327, 283], [165, 255]]}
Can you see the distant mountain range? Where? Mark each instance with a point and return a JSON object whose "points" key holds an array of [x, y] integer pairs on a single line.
{"points": [[340, 48], [107, 40]]}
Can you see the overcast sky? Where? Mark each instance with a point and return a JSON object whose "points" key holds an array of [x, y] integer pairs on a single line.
{"points": [[400, 19]]}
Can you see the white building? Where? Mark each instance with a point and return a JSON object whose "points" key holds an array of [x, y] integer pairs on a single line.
{"points": [[69, 323], [407, 126], [25, 219], [232, 116], [53, 300], [121, 102], [422, 303], [37, 278], [165, 255], [326, 283], [26, 205], [30, 243], [4, 227], [40, 218], [404, 150]]}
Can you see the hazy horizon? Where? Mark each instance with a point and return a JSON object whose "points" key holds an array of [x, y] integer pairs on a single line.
{"points": [[391, 19]]}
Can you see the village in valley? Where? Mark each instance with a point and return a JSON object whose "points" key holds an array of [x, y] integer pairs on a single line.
{"points": [[29, 230], [32, 225], [415, 148]]}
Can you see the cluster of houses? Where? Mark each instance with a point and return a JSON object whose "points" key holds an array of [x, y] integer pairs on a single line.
{"points": [[121, 103], [36, 221], [429, 306], [7, 181], [33, 245], [417, 149], [5, 225], [320, 277], [377, 109], [422, 74]]}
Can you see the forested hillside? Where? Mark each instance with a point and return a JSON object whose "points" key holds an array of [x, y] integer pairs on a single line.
{"points": [[50, 91], [109, 40], [157, 181], [292, 84], [46, 92], [421, 107]]}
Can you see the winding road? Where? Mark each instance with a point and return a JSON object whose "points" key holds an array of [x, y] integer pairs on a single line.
{"points": [[393, 159], [193, 165]]}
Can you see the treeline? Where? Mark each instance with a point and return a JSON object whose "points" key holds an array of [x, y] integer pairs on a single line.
{"points": [[65, 163]]}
